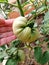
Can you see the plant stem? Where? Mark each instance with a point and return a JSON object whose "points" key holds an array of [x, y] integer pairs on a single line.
{"points": [[45, 2], [19, 5], [35, 14], [10, 4]]}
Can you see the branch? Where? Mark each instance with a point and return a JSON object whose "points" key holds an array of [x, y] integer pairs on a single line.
{"points": [[19, 5]]}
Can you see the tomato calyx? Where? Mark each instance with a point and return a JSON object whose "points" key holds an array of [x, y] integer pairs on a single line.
{"points": [[30, 24]]}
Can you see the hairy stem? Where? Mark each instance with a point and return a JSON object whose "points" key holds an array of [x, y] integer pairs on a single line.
{"points": [[19, 5]]}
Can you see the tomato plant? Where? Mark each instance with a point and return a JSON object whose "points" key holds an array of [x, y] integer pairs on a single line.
{"points": [[28, 32]]}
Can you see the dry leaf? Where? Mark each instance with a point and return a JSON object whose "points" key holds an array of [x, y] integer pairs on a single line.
{"points": [[28, 8], [13, 14]]}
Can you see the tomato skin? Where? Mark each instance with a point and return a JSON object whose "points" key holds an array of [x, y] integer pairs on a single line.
{"points": [[34, 36], [21, 55], [23, 32]]}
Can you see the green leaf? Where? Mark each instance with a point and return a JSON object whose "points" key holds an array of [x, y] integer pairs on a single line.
{"points": [[15, 43], [6, 0], [41, 58], [45, 28], [37, 53], [11, 61], [2, 47], [1, 60], [11, 50], [46, 17], [45, 57], [2, 0], [45, 25], [41, 9], [2, 54]]}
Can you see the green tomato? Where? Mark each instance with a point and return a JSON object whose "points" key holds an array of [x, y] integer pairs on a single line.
{"points": [[24, 32], [21, 55]]}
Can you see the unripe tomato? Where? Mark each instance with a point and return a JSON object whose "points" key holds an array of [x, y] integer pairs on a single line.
{"points": [[21, 55], [23, 32]]}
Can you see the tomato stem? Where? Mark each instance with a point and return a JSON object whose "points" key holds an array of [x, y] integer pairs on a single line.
{"points": [[45, 2], [19, 6], [30, 24]]}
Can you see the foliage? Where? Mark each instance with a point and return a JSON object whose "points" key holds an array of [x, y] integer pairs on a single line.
{"points": [[40, 57], [12, 61], [14, 52], [45, 25]]}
